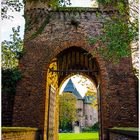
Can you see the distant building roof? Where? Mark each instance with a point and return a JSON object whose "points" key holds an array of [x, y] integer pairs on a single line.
{"points": [[70, 87], [88, 99]]}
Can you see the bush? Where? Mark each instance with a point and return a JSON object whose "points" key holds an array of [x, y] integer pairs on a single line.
{"points": [[10, 77], [95, 127]]}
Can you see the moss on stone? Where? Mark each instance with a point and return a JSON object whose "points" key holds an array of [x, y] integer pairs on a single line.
{"points": [[41, 28], [77, 9], [125, 128], [14, 129]]}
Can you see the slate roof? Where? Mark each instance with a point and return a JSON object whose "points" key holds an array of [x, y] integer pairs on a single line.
{"points": [[70, 87], [88, 99]]}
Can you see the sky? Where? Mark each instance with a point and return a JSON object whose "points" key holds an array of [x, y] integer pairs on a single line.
{"points": [[82, 88], [7, 24], [82, 3]]}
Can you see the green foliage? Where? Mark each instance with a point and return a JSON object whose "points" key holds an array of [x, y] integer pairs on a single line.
{"points": [[93, 128], [67, 111], [12, 50], [59, 3], [118, 33], [41, 28], [10, 77], [115, 41], [73, 9], [54, 3], [105, 1]]}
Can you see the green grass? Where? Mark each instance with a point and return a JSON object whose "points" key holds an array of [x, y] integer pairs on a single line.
{"points": [[80, 136]]}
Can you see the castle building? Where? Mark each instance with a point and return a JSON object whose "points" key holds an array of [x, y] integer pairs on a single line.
{"points": [[86, 114]]}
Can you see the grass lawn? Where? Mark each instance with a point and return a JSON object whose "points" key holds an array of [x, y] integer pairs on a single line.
{"points": [[80, 136]]}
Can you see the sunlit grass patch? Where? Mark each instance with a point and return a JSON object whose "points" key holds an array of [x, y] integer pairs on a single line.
{"points": [[80, 136]]}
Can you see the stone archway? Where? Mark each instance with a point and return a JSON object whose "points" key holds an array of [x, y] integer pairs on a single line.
{"points": [[82, 63], [118, 102]]}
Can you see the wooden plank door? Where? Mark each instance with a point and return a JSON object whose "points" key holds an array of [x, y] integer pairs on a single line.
{"points": [[51, 110]]}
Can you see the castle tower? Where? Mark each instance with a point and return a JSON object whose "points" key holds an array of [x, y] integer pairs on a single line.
{"points": [[70, 87]]}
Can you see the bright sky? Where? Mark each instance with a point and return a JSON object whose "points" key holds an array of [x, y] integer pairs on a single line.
{"points": [[82, 88], [7, 24], [82, 3]]}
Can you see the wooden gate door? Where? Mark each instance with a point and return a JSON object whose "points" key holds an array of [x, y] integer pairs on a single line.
{"points": [[51, 110]]}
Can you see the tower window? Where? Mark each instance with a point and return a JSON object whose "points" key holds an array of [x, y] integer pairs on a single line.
{"points": [[90, 117], [86, 117]]}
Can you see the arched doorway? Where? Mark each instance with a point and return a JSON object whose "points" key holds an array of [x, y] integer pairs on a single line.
{"points": [[73, 60], [82, 115]]}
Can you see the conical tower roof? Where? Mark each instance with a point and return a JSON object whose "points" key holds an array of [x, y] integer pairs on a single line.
{"points": [[70, 87], [89, 99]]}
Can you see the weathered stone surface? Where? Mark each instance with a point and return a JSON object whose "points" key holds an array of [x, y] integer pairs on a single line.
{"points": [[119, 136], [20, 135]]}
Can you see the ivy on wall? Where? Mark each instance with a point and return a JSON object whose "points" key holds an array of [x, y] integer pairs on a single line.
{"points": [[118, 32], [40, 29]]}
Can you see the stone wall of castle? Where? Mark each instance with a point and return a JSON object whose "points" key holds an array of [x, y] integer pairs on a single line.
{"points": [[86, 114], [91, 115]]}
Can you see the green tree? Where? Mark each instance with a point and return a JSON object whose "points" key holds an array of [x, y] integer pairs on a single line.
{"points": [[67, 110], [11, 53], [93, 96], [12, 50]]}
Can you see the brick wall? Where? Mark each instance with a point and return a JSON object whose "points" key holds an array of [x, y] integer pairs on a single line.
{"points": [[7, 108], [117, 85]]}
